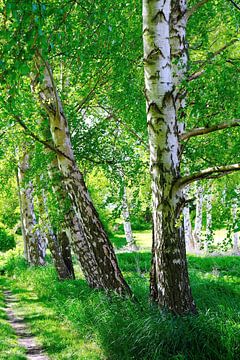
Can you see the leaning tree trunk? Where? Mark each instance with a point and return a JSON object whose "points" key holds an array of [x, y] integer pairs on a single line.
{"points": [[197, 233], [169, 276], [209, 234], [34, 240], [235, 227], [95, 252]]}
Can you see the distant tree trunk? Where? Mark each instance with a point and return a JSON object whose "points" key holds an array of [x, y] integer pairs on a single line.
{"points": [[131, 243], [208, 237], [34, 240], [169, 276], [235, 233], [189, 240], [188, 229], [197, 233], [53, 242], [95, 252], [25, 246]]}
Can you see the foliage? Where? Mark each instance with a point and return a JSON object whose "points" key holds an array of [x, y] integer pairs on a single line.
{"points": [[7, 240]]}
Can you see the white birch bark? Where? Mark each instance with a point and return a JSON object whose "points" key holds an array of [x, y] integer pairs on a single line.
{"points": [[34, 240], [208, 237], [25, 246], [131, 243], [169, 276], [95, 252], [52, 240], [197, 233], [235, 233], [188, 229]]}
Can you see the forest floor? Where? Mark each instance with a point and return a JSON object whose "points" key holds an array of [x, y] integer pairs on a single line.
{"points": [[74, 322]]}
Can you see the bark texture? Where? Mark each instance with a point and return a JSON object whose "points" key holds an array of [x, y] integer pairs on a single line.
{"points": [[209, 235], [35, 243], [188, 229], [25, 246], [197, 233], [131, 243], [90, 242], [169, 276], [53, 242]]}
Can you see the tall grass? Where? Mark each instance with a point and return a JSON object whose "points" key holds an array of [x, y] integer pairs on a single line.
{"points": [[75, 322]]}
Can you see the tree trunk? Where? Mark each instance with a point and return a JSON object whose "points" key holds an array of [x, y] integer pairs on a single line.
{"points": [[188, 229], [53, 242], [34, 240], [25, 246], [95, 252], [126, 221], [66, 251], [209, 235], [189, 240], [235, 227], [169, 276], [197, 233]]}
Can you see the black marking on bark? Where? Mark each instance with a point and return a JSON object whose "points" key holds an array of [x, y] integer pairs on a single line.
{"points": [[154, 54], [159, 17]]}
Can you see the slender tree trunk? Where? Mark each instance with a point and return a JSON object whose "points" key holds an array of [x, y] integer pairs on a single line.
{"points": [[235, 233], [34, 240], [208, 238], [53, 241], [25, 246], [95, 252], [188, 229], [126, 221], [66, 251], [198, 218], [189, 240], [169, 276]]}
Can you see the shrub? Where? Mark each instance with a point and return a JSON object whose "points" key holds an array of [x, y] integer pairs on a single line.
{"points": [[7, 241]]}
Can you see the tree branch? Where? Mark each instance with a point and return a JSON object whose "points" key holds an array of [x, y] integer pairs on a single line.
{"points": [[116, 118], [209, 173], [35, 137], [235, 4], [195, 8], [200, 71], [207, 130]]}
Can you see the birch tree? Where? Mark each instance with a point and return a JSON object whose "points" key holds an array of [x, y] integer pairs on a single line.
{"points": [[97, 257], [165, 65], [235, 227], [35, 245], [197, 233], [209, 232]]}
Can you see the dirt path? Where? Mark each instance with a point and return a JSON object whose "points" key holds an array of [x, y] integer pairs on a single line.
{"points": [[25, 339]]}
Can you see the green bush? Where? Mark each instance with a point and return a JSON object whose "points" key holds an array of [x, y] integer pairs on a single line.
{"points": [[7, 241]]}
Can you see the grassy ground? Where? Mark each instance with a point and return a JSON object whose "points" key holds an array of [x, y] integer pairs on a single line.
{"points": [[75, 322]]}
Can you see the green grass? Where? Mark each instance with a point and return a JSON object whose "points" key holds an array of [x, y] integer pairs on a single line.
{"points": [[75, 322]]}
